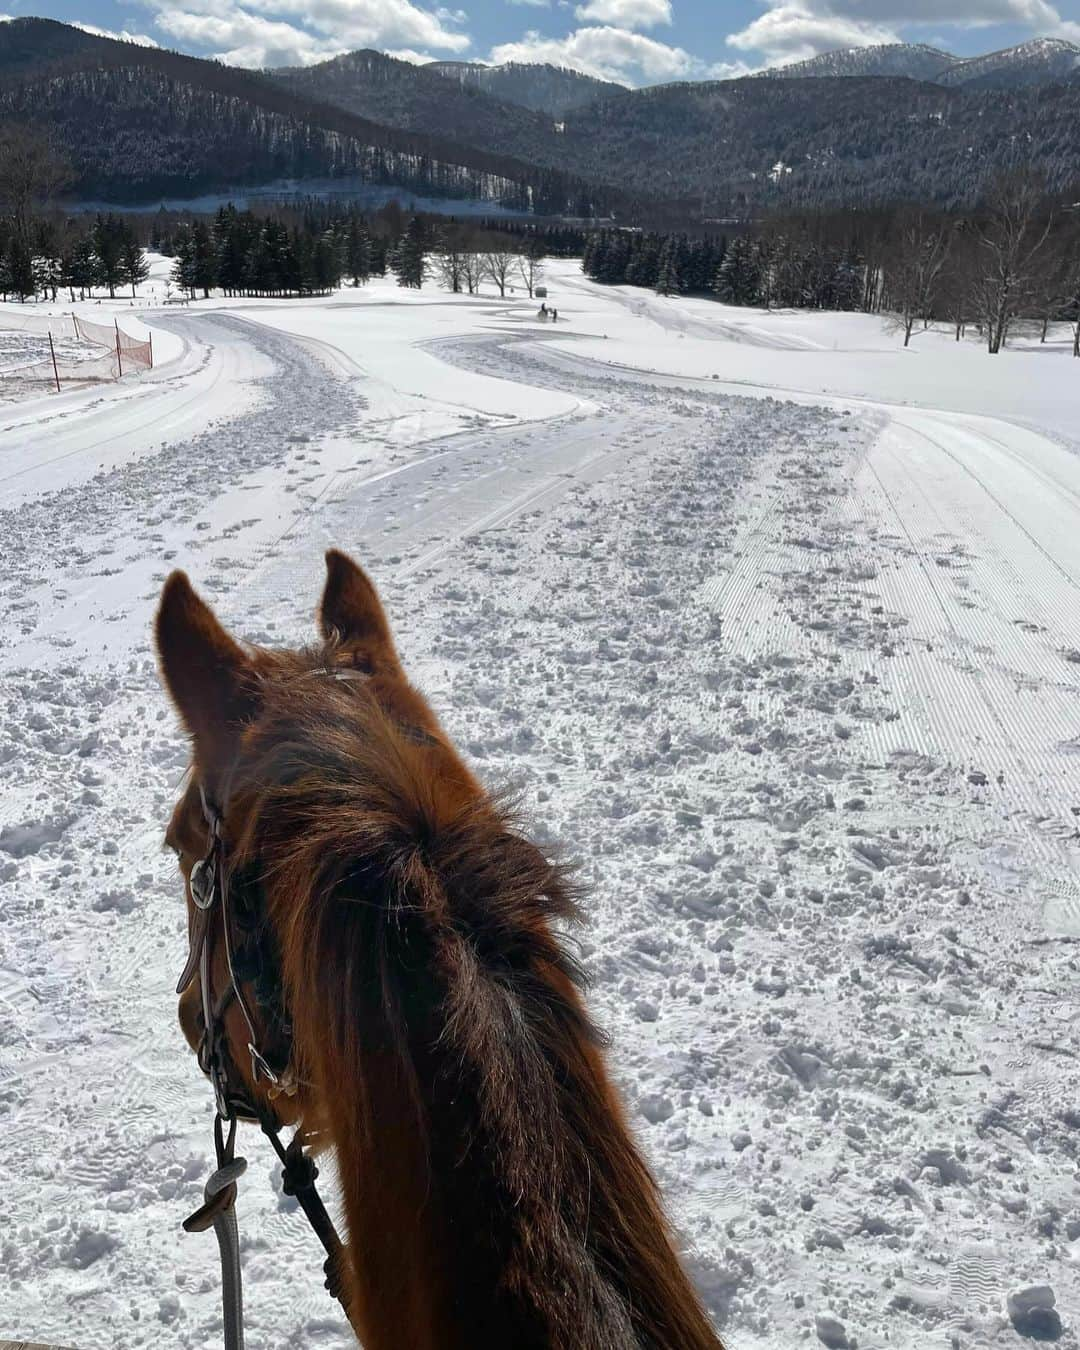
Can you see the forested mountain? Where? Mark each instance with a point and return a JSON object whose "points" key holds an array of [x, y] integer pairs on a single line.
{"points": [[736, 147], [553, 90], [1042, 61], [417, 98], [893, 59], [139, 122]]}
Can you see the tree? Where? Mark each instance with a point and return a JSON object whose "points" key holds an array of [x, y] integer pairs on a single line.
{"points": [[20, 279], [450, 261], [84, 267], [109, 237], [913, 270], [32, 171], [358, 252], [410, 263], [669, 278], [472, 271], [531, 265], [1011, 241], [134, 265], [498, 264]]}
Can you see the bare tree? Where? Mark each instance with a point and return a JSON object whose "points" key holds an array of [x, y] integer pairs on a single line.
{"points": [[1011, 241], [531, 267], [472, 271], [449, 261], [914, 269], [32, 171], [498, 264]]}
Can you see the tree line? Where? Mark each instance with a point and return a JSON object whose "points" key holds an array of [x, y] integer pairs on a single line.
{"points": [[1012, 264], [313, 252]]}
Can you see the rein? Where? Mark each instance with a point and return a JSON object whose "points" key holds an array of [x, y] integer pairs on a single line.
{"points": [[209, 883]]}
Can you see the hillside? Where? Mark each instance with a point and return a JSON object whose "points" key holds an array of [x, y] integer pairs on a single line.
{"points": [[552, 90], [893, 59], [743, 145], [140, 122], [417, 98], [1043, 61]]}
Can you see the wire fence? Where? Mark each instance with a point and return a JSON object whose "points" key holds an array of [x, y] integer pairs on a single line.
{"points": [[54, 350]]}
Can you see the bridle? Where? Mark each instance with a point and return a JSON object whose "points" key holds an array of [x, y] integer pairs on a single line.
{"points": [[210, 884]]}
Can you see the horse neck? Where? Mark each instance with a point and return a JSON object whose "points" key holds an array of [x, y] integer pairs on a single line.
{"points": [[493, 1194]]}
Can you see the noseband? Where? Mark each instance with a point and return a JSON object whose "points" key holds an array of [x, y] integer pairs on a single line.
{"points": [[210, 886]]}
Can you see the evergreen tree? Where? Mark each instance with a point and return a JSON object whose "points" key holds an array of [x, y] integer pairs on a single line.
{"points": [[134, 265], [358, 251], [410, 262], [84, 267], [669, 280], [109, 235], [183, 272]]}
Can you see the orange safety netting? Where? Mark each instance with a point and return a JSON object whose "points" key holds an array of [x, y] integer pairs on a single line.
{"points": [[82, 350]]}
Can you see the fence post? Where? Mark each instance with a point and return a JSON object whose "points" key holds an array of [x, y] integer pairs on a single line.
{"points": [[119, 361], [151, 332], [52, 351]]}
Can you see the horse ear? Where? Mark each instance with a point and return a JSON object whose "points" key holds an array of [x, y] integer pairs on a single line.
{"points": [[207, 673], [350, 609]]}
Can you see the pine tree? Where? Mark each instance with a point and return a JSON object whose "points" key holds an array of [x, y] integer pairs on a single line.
{"points": [[410, 261], [84, 267], [358, 251], [135, 268], [669, 279], [109, 237]]}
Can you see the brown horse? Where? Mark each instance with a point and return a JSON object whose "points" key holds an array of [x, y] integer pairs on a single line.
{"points": [[430, 1013]]}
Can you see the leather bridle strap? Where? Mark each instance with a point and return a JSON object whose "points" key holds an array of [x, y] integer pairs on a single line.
{"points": [[209, 885]]}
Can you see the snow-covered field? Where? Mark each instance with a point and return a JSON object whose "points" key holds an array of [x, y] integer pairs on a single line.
{"points": [[788, 658]]}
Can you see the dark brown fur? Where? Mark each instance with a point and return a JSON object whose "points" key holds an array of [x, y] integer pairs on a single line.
{"points": [[493, 1193]]}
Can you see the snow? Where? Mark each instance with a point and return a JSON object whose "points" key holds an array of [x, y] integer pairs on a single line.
{"points": [[787, 659]]}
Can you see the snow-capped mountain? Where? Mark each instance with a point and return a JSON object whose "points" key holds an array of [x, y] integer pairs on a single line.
{"points": [[913, 60], [1041, 61]]}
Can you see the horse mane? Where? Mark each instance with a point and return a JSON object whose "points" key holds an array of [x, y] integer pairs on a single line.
{"points": [[419, 933]]}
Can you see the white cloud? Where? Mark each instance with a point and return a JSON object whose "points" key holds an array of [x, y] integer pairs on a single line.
{"points": [[626, 13], [789, 32], [373, 23], [532, 4], [608, 53], [258, 32], [242, 39], [140, 39]]}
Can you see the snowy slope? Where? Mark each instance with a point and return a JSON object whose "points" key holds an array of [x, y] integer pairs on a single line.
{"points": [[794, 676]]}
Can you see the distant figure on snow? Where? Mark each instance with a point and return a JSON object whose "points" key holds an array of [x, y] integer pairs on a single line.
{"points": [[543, 313], [554, 316]]}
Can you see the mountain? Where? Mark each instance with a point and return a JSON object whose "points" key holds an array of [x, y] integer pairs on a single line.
{"points": [[1044, 61], [417, 98], [738, 147], [140, 123], [913, 61], [553, 90]]}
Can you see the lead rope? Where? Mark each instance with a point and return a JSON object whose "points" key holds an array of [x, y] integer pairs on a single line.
{"points": [[219, 1211]]}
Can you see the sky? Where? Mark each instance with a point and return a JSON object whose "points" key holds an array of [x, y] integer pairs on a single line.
{"points": [[635, 42]]}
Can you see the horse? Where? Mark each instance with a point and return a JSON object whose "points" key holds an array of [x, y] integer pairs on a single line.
{"points": [[416, 994]]}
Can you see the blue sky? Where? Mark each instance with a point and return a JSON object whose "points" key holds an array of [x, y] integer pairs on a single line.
{"points": [[634, 41]]}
